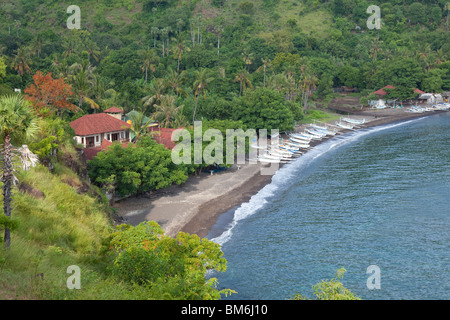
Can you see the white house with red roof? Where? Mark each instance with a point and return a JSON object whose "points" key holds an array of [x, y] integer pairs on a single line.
{"points": [[92, 129]]}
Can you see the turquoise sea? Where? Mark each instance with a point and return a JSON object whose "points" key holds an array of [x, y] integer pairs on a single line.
{"points": [[377, 196]]}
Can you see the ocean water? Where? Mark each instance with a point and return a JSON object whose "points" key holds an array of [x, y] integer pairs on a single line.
{"points": [[377, 196]]}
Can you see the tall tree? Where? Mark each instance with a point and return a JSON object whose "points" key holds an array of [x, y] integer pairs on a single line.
{"points": [[154, 31], [265, 65], [166, 110], [243, 77], [49, 95], [148, 59], [307, 82], [178, 51], [247, 57], [202, 80], [174, 80], [16, 123], [22, 61], [219, 30], [154, 92], [139, 124], [82, 80]]}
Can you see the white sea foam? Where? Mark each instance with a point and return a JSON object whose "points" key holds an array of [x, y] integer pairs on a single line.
{"points": [[284, 176]]}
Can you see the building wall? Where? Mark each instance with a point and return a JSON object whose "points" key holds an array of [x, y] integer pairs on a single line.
{"points": [[98, 138]]}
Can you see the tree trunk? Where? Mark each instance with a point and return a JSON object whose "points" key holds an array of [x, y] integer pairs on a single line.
{"points": [[305, 101], [167, 46], [195, 109], [218, 44], [7, 179], [178, 65], [146, 72], [264, 77]]}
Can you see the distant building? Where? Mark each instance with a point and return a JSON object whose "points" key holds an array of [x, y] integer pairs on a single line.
{"points": [[114, 112], [380, 93], [92, 129], [96, 132]]}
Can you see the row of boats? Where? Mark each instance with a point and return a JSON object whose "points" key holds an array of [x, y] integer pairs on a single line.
{"points": [[435, 107], [283, 150]]}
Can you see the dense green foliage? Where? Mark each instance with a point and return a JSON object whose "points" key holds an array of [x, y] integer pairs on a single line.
{"points": [[137, 168], [170, 268], [129, 44], [330, 289]]}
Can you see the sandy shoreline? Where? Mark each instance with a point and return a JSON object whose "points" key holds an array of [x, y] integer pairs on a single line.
{"points": [[195, 205]]}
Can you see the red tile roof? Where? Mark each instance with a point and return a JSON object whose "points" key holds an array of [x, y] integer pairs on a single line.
{"points": [[382, 92], [97, 123], [165, 137], [113, 110]]}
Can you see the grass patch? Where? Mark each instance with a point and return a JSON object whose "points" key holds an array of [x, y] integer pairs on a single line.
{"points": [[314, 114], [64, 228]]}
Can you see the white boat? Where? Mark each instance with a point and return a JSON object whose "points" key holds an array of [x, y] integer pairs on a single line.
{"points": [[315, 133], [269, 160], [416, 109], [354, 121], [325, 130], [302, 146], [344, 125], [300, 136], [289, 147], [300, 143]]}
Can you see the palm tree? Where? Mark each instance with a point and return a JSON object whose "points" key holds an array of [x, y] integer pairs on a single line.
{"points": [[16, 123], [155, 91], [93, 50], [82, 80], [308, 81], [148, 59], [139, 124], [375, 48], [174, 80], [22, 61], [98, 87], [247, 57], [62, 68], [264, 67], [178, 51], [279, 83], [164, 35], [166, 110], [202, 80], [70, 46], [37, 45], [243, 78], [154, 31], [219, 30]]}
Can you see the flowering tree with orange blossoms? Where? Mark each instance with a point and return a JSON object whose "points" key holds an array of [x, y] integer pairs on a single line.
{"points": [[48, 95]]}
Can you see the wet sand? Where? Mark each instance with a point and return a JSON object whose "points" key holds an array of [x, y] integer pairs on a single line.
{"points": [[195, 205]]}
